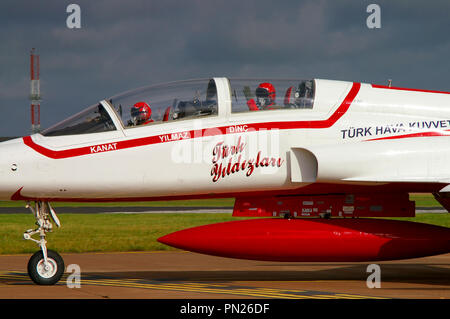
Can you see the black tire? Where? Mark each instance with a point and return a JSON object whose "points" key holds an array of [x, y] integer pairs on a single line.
{"points": [[39, 275]]}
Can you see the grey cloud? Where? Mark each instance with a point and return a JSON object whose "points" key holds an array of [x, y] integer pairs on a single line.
{"points": [[128, 44]]}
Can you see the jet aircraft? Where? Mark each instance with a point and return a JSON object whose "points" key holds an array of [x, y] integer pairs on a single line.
{"points": [[311, 159]]}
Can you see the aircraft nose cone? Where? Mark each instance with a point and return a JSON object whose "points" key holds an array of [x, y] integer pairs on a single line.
{"points": [[11, 160]]}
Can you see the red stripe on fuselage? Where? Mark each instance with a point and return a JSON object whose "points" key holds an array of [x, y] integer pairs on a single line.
{"points": [[318, 124], [420, 134]]}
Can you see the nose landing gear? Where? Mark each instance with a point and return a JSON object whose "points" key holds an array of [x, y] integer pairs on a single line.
{"points": [[45, 267]]}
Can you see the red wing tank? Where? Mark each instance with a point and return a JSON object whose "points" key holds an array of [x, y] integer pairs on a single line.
{"points": [[314, 240]]}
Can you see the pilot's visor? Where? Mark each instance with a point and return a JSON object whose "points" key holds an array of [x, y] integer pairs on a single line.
{"points": [[261, 92]]}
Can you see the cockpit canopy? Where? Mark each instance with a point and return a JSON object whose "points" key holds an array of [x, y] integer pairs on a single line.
{"points": [[261, 95], [176, 101], [94, 119], [166, 102]]}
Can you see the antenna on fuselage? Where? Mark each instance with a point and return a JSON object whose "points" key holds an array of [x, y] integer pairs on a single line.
{"points": [[389, 82]]}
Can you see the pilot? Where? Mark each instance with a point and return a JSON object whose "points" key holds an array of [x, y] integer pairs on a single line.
{"points": [[265, 97], [300, 97], [141, 114]]}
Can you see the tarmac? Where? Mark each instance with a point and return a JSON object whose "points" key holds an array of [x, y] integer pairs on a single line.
{"points": [[186, 275]]}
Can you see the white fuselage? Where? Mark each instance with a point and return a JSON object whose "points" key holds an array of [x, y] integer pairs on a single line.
{"points": [[356, 134]]}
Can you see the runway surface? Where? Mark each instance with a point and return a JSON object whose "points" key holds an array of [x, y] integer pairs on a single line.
{"points": [[179, 274]]}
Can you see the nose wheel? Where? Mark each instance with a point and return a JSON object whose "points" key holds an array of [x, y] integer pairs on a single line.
{"points": [[45, 267], [45, 272]]}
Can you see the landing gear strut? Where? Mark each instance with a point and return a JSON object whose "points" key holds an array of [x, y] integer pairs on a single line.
{"points": [[45, 267]]}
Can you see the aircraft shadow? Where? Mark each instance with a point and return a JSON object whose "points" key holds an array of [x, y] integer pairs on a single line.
{"points": [[401, 273]]}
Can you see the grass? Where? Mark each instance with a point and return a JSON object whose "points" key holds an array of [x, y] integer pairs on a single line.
{"points": [[135, 232], [424, 200], [122, 232], [428, 218], [101, 232]]}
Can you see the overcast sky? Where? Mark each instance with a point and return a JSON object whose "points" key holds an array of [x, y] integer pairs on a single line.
{"points": [[122, 45]]}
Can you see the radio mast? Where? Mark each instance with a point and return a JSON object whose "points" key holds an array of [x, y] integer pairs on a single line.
{"points": [[35, 95]]}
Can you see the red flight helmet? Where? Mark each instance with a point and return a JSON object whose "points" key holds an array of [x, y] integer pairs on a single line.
{"points": [[141, 113], [265, 94]]}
